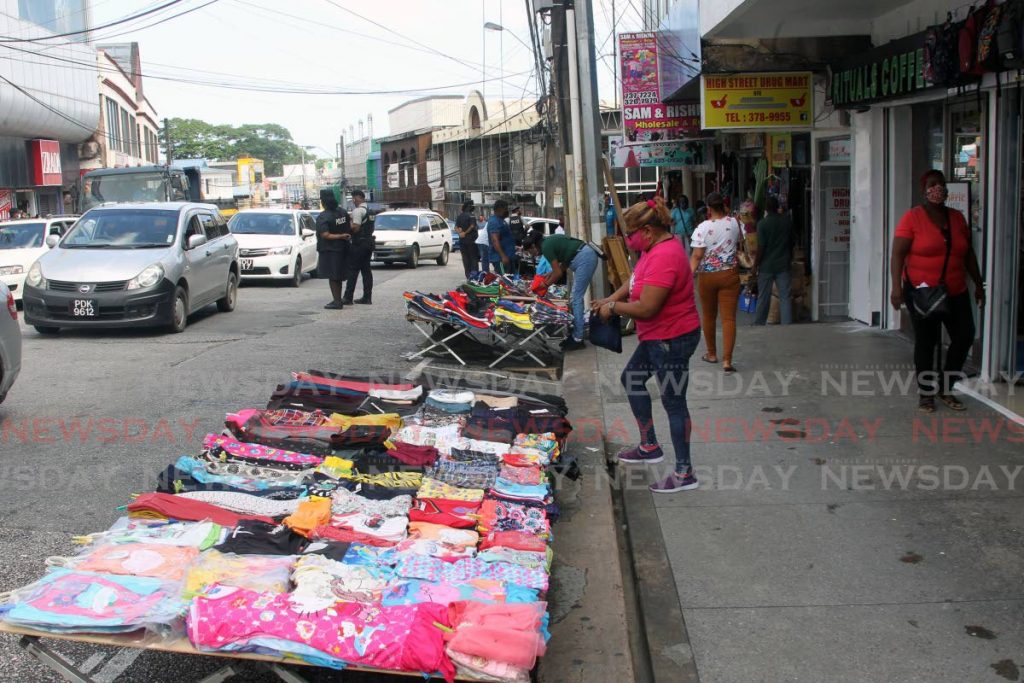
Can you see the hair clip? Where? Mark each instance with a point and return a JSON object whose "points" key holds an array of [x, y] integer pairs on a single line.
{"points": [[651, 203]]}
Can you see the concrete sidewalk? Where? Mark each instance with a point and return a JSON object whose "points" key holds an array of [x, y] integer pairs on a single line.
{"points": [[838, 534]]}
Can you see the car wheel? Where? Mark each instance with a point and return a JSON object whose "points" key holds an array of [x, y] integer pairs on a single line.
{"points": [[42, 329], [179, 311], [296, 281], [414, 259], [227, 304], [442, 260]]}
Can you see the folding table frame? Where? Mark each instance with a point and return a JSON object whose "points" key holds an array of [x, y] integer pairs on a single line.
{"points": [[539, 333], [435, 325]]}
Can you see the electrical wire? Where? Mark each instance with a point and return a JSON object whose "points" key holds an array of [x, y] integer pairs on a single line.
{"points": [[118, 22], [156, 23]]}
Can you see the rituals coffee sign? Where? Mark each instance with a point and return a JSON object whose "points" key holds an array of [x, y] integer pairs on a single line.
{"points": [[896, 69]]}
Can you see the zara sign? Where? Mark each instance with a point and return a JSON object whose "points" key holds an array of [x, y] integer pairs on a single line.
{"points": [[45, 156]]}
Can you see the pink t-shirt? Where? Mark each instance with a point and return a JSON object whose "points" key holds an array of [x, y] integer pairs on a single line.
{"points": [[666, 265]]}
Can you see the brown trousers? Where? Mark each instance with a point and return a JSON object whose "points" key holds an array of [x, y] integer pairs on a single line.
{"points": [[719, 294]]}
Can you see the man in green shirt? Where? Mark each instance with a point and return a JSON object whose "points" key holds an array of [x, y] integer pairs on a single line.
{"points": [[772, 262], [564, 252]]}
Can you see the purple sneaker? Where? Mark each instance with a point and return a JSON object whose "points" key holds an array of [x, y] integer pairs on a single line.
{"points": [[638, 456], [673, 483]]}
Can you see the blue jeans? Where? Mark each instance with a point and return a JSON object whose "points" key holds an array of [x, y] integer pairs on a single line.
{"points": [[485, 257], [583, 265], [764, 297], [667, 360]]}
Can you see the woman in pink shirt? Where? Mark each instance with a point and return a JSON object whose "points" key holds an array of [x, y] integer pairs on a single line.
{"points": [[659, 297]]}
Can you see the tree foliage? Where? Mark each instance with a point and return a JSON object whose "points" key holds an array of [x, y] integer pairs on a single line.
{"points": [[194, 139]]}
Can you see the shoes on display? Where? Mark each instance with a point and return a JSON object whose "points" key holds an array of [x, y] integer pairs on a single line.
{"points": [[638, 456]]}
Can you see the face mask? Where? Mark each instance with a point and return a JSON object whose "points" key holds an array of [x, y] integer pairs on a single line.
{"points": [[936, 194], [635, 241]]}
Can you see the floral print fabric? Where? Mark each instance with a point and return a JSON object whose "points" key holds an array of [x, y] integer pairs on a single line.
{"points": [[228, 448]]}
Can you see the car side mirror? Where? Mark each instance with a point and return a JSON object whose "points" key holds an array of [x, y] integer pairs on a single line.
{"points": [[195, 241], [306, 232], [52, 240]]}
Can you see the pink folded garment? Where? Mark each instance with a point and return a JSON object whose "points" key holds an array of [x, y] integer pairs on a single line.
{"points": [[502, 632], [402, 638], [349, 384]]}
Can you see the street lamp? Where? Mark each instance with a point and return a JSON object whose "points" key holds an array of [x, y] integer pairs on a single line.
{"points": [[491, 26]]}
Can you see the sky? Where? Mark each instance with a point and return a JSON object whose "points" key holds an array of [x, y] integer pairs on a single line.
{"points": [[323, 44]]}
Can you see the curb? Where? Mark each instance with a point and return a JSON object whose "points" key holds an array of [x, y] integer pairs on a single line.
{"points": [[662, 649], [589, 612]]}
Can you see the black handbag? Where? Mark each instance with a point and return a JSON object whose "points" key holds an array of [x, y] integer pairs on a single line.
{"points": [[607, 335], [932, 302]]}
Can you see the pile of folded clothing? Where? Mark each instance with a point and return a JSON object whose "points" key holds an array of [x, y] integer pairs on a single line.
{"points": [[416, 540]]}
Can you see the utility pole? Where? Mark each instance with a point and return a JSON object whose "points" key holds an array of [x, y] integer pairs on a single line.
{"points": [[305, 198], [342, 177], [168, 145]]}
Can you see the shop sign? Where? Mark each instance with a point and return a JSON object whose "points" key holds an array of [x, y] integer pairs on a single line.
{"points": [[45, 156], [839, 150], [959, 199], [893, 70], [6, 203], [437, 194], [780, 151], [645, 118], [837, 219], [392, 176], [697, 155], [757, 100]]}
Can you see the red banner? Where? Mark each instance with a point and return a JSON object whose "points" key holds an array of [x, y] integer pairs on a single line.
{"points": [[45, 156], [644, 117]]}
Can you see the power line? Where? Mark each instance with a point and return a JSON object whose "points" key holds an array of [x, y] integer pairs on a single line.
{"points": [[157, 23], [122, 20]]}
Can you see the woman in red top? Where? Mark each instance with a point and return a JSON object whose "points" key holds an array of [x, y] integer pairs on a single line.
{"points": [[918, 254], [659, 296]]}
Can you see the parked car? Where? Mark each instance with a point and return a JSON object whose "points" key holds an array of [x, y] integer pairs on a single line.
{"points": [[407, 235], [10, 343], [548, 225], [456, 240], [278, 244], [21, 243], [134, 265]]}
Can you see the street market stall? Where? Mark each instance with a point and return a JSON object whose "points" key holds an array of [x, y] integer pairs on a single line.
{"points": [[350, 524]]}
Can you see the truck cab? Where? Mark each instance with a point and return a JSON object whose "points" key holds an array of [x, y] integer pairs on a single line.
{"points": [[139, 184]]}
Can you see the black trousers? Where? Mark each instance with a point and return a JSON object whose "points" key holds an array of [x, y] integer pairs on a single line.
{"points": [[470, 257], [359, 256], [959, 324]]}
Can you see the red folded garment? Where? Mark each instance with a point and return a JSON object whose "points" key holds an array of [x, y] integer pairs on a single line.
{"points": [[330, 533], [503, 632], [188, 510], [458, 514], [418, 456]]}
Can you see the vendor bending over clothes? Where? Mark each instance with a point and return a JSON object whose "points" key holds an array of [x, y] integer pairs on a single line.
{"points": [[564, 252]]}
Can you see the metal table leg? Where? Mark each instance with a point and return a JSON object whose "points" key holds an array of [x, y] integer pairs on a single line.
{"points": [[435, 343], [53, 660]]}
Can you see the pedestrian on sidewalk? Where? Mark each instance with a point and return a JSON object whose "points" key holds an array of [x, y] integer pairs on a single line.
{"points": [[465, 225], [360, 251], [568, 253], [659, 297], [333, 234], [772, 262], [713, 257], [503, 242], [932, 249], [683, 221], [483, 242]]}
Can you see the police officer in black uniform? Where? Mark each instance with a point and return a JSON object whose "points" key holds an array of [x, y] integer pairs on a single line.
{"points": [[361, 252], [333, 238], [515, 224]]}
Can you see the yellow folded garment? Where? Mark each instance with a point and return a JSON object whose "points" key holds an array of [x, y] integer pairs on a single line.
{"points": [[336, 468], [394, 480], [391, 420]]}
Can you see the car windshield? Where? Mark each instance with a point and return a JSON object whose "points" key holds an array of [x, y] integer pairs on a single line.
{"points": [[262, 224], [123, 229], [130, 187], [21, 235], [394, 222]]}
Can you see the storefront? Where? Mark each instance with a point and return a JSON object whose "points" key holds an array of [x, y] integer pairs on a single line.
{"points": [[903, 126], [37, 177]]}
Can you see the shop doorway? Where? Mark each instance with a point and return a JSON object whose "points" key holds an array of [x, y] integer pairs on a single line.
{"points": [[833, 242]]}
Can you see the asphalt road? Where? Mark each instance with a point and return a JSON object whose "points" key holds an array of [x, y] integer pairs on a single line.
{"points": [[96, 415]]}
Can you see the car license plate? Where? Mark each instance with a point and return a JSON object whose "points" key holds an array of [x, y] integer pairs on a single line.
{"points": [[83, 308], [247, 264]]}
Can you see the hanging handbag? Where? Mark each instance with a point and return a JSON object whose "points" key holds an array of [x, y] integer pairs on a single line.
{"points": [[933, 302], [607, 335], [743, 256]]}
